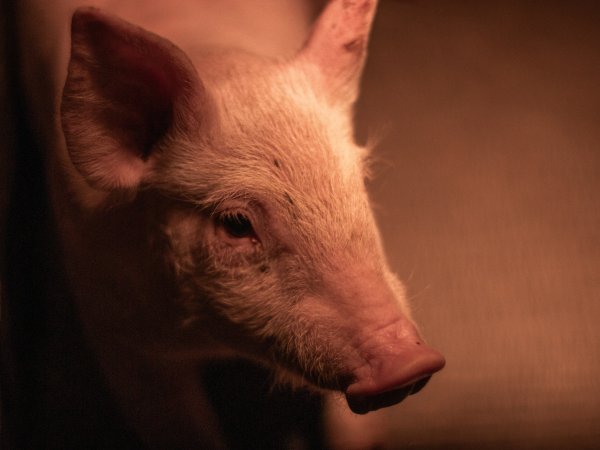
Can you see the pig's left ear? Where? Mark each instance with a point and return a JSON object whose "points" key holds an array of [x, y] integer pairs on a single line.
{"points": [[337, 47], [126, 90]]}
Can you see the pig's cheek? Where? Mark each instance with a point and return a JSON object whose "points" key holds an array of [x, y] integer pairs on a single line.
{"points": [[245, 260]]}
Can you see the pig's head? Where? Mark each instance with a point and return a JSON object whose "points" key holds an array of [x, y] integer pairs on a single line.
{"points": [[259, 207]]}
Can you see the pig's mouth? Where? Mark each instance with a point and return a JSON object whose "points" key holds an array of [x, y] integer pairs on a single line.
{"points": [[362, 404]]}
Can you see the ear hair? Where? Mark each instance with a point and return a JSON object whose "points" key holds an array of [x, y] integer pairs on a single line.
{"points": [[337, 46], [126, 89]]}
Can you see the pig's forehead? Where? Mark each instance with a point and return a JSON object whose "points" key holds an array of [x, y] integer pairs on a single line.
{"points": [[274, 136], [280, 117]]}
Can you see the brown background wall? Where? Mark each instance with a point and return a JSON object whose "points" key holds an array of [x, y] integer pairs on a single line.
{"points": [[488, 188]]}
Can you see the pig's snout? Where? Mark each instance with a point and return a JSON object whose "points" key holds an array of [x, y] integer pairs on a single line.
{"points": [[387, 379], [388, 359]]}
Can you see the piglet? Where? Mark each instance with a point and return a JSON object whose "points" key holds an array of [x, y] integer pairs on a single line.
{"points": [[211, 205]]}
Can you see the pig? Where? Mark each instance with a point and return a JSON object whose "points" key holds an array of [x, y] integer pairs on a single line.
{"points": [[210, 205]]}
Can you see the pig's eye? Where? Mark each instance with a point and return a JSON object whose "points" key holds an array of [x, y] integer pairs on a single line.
{"points": [[237, 225]]}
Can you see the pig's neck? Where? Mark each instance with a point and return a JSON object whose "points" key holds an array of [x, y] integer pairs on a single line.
{"points": [[118, 292]]}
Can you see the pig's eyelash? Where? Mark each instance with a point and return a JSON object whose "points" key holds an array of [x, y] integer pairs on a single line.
{"points": [[237, 224]]}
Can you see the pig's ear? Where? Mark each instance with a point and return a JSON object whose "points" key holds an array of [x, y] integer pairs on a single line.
{"points": [[337, 46], [126, 90]]}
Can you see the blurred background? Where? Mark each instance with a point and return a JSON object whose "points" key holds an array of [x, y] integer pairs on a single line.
{"points": [[487, 185]]}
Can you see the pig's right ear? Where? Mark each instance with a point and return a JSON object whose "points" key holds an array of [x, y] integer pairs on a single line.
{"points": [[337, 47], [126, 90]]}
